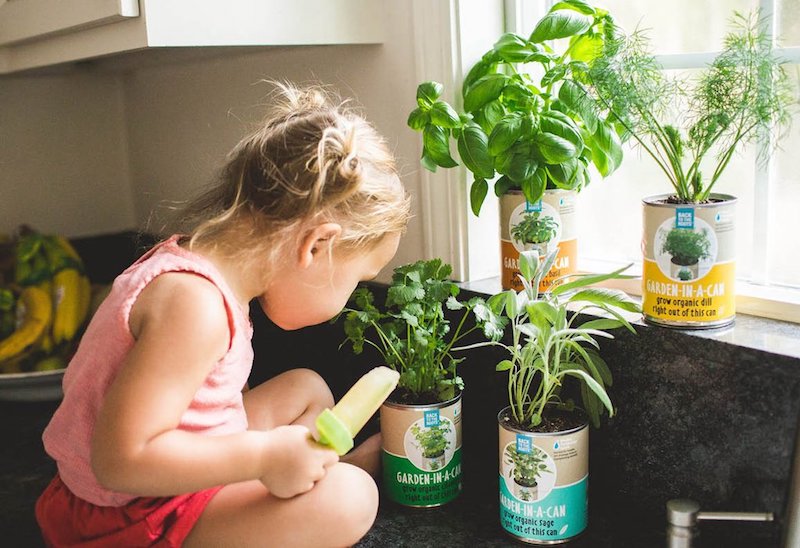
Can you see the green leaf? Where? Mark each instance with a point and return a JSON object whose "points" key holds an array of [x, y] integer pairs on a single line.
{"points": [[503, 185], [591, 405], [505, 134], [587, 48], [474, 151], [606, 296], [427, 93], [443, 115], [418, 119], [426, 161], [493, 112], [556, 73], [7, 300], [577, 5], [601, 366], [533, 187], [541, 312], [485, 89], [594, 386], [497, 302], [478, 71], [553, 148], [477, 194], [403, 294], [602, 324], [521, 167], [511, 304], [608, 142], [560, 124], [565, 174], [560, 24], [512, 48], [577, 99], [584, 280], [437, 145], [504, 365]]}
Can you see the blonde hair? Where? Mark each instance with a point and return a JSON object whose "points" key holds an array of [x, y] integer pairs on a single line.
{"points": [[312, 159]]}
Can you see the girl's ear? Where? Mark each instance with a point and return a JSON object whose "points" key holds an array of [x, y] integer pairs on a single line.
{"points": [[317, 241]]}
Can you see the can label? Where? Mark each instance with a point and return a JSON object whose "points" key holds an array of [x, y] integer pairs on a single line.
{"points": [[422, 453], [544, 484], [543, 226], [689, 267]]}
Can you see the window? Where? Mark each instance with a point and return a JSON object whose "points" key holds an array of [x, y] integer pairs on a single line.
{"points": [[685, 35]]}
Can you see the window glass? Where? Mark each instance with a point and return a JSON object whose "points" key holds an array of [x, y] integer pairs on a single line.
{"points": [[611, 208], [789, 23], [616, 202], [784, 249], [699, 26]]}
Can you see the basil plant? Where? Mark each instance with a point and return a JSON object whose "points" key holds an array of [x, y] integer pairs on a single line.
{"points": [[523, 132]]}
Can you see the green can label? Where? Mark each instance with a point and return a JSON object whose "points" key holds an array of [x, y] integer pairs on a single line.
{"points": [[422, 453], [407, 484], [543, 484], [558, 516]]}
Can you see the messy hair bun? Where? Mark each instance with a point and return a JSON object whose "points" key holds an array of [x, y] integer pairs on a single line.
{"points": [[311, 158]]}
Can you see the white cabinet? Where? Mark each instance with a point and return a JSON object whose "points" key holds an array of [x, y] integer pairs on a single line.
{"points": [[38, 33]]}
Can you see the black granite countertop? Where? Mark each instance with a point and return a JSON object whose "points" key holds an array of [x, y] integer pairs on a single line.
{"points": [[708, 415]]}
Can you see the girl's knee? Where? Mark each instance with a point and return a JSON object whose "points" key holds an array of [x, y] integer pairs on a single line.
{"points": [[314, 385], [352, 501]]}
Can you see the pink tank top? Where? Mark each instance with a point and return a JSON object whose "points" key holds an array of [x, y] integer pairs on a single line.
{"points": [[216, 408]]}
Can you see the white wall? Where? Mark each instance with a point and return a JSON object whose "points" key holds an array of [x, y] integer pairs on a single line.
{"points": [[62, 159], [101, 151]]}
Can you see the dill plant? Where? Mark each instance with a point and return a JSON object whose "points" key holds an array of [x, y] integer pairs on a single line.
{"points": [[744, 96]]}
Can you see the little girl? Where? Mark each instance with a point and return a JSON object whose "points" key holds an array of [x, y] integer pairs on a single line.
{"points": [[155, 441]]}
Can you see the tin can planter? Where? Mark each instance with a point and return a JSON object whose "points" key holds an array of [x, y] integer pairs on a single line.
{"points": [[422, 452], [544, 225], [689, 272], [544, 479]]}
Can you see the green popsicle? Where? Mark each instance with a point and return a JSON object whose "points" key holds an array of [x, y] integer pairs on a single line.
{"points": [[338, 426]]}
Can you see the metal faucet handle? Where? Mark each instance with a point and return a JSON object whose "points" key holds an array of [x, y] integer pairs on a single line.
{"points": [[683, 515]]}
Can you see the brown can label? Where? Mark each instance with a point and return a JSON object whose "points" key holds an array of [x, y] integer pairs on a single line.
{"points": [[422, 453], [544, 225]]}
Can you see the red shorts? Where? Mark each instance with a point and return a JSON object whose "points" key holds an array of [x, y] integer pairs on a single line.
{"points": [[66, 520]]}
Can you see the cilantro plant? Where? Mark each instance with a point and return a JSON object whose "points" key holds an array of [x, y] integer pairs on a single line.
{"points": [[533, 132], [535, 228], [412, 333], [432, 440]]}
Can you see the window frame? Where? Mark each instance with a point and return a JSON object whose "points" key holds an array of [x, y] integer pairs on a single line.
{"points": [[449, 37]]}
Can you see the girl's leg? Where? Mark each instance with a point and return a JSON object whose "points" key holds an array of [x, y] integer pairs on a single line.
{"points": [[338, 511], [297, 397], [294, 397]]}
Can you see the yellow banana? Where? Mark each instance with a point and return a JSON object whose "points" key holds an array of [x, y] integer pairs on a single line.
{"points": [[67, 247], [84, 301], [35, 308], [46, 343], [66, 296]]}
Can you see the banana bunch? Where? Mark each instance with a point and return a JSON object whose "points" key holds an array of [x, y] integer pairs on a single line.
{"points": [[71, 289], [34, 311], [48, 305]]}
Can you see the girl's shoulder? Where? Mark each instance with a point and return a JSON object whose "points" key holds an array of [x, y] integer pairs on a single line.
{"points": [[178, 300]]}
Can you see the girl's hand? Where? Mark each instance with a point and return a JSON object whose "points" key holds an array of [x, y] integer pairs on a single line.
{"points": [[293, 461]]}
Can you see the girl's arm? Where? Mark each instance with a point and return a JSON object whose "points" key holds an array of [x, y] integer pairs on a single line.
{"points": [[181, 329]]}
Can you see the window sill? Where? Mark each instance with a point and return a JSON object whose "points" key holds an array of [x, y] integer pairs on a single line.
{"points": [[749, 331]]}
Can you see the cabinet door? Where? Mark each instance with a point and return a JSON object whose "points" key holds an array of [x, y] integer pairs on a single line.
{"points": [[25, 20]]}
